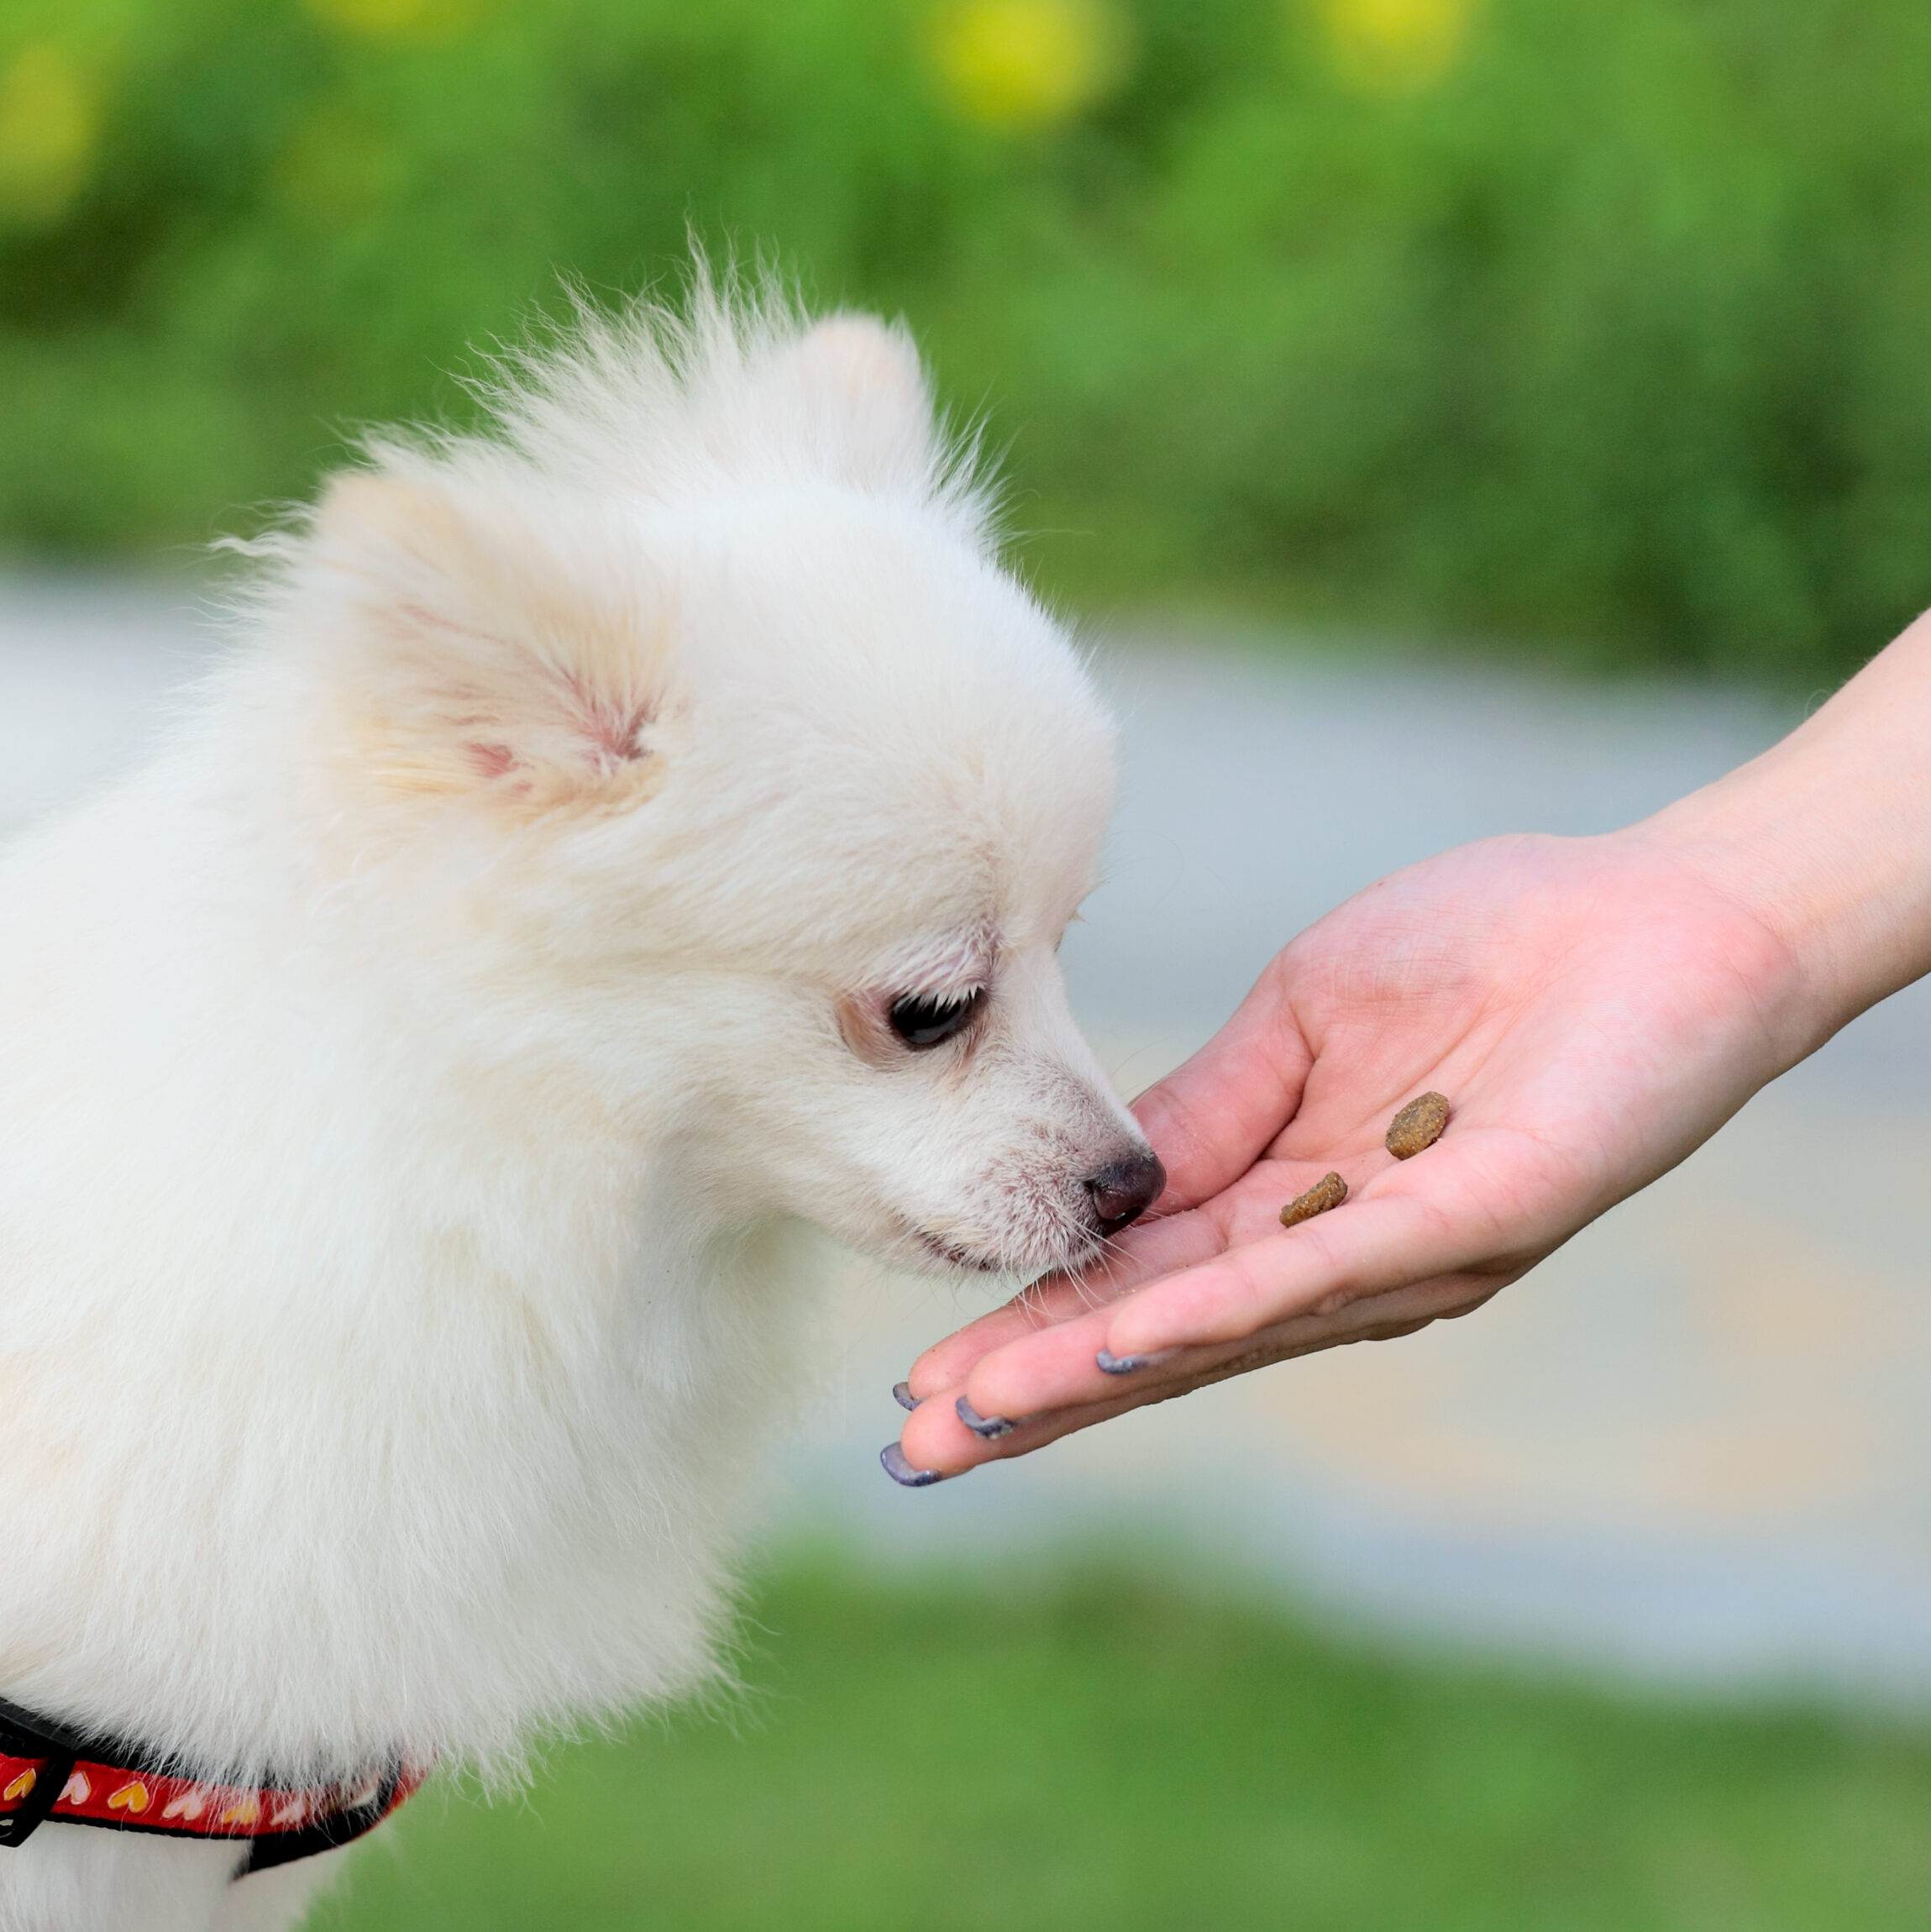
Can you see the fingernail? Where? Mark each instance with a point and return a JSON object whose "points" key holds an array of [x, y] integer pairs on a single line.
{"points": [[1112, 1364], [892, 1459], [902, 1394], [992, 1427]]}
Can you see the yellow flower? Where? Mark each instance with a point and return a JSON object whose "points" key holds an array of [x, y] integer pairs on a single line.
{"points": [[403, 20], [50, 126], [1029, 63], [1396, 46]]}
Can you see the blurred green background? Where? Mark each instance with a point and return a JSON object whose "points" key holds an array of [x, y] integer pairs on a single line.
{"points": [[1597, 328], [1087, 1752]]}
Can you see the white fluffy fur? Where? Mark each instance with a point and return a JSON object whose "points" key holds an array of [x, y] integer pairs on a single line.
{"points": [[416, 1078]]}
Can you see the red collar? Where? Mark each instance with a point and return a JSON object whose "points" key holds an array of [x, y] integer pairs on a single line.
{"points": [[48, 1771]]}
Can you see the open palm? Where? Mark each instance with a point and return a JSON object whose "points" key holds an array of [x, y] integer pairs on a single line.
{"points": [[1593, 1009]]}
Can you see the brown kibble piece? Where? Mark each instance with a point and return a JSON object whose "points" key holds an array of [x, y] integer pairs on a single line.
{"points": [[1329, 1192], [1418, 1125]]}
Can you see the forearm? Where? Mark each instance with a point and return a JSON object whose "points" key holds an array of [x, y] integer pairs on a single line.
{"points": [[1827, 840]]}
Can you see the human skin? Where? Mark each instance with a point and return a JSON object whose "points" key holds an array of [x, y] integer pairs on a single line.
{"points": [[1594, 1009]]}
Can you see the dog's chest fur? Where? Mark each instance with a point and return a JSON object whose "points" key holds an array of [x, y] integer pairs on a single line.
{"points": [[358, 1399]]}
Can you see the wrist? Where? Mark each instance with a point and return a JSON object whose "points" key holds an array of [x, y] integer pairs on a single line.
{"points": [[1824, 843], [1780, 939]]}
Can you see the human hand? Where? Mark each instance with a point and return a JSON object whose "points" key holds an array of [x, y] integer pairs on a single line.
{"points": [[1593, 1009]]}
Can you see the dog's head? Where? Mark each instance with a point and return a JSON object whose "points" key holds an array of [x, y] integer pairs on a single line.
{"points": [[704, 683]]}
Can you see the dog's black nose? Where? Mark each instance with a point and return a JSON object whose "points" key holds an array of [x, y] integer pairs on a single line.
{"points": [[1124, 1191]]}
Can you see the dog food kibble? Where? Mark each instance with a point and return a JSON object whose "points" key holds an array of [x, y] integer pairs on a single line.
{"points": [[1329, 1192], [1418, 1125]]}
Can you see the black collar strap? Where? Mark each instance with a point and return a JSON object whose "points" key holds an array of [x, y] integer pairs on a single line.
{"points": [[47, 1771]]}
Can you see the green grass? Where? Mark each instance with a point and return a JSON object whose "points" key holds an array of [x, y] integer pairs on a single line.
{"points": [[1611, 332], [1104, 1752]]}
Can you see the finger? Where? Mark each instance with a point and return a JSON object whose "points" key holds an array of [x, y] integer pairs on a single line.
{"points": [[936, 1440], [1056, 1367], [1377, 1245], [1061, 1368], [1380, 1318], [945, 1364], [1049, 1368], [1405, 1232], [1141, 1254], [1211, 1119], [1046, 1304]]}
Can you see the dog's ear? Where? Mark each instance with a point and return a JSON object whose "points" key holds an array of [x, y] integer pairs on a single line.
{"points": [[862, 379], [490, 638], [860, 364]]}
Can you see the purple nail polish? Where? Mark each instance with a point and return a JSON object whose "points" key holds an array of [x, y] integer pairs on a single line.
{"points": [[892, 1460], [902, 1394], [1109, 1363], [992, 1427]]}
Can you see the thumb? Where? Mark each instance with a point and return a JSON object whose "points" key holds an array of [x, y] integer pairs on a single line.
{"points": [[1211, 1119]]}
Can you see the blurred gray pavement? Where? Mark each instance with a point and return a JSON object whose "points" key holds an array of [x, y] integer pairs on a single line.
{"points": [[85, 667], [1696, 1443]]}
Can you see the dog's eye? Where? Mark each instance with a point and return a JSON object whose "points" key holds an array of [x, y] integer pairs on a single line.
{"points": [[921, 1022]]}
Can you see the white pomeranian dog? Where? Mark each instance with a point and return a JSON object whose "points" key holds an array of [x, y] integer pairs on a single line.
{"points": [[620, 838]]}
